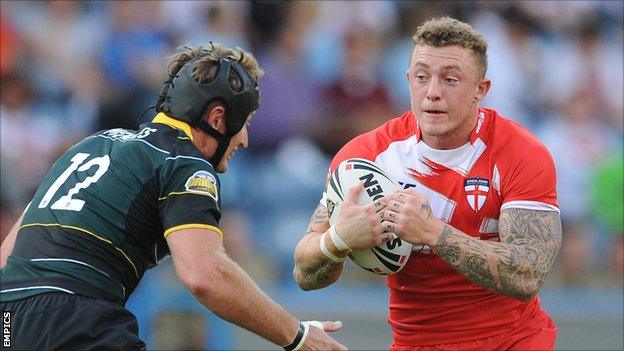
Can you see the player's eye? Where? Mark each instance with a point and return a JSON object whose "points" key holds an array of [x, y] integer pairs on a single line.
{"points": [[421, 78], [451, 80]]}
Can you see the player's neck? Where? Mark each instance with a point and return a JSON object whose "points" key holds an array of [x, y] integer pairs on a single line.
{"points": [[453, 139], [206, 144]]}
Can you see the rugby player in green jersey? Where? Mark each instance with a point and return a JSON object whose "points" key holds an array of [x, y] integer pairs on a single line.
{"points": [[119, 201]]}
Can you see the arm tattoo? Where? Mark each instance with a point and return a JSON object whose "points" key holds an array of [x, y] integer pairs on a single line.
{"points": [[517, 265], [316, 273], [319, 218]]}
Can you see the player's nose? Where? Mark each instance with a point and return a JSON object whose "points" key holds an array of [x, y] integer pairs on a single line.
{"points": [[433, 90]]}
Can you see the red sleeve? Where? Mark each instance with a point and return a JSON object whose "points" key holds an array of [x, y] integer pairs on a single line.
{"points": [[528, 178]]}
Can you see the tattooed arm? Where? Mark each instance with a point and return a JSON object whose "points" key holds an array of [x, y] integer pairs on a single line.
{"points": [[517, 265], [312, 269], [359, 226]]}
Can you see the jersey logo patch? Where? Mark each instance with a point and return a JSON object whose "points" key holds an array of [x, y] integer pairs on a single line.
{"points": [[476, 191], [203, 183]]}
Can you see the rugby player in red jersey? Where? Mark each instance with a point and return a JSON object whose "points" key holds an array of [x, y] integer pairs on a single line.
{"points": [[478, 203]]}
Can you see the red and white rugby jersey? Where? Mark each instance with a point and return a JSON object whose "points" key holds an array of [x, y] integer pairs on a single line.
{"points": [[503, 166]]}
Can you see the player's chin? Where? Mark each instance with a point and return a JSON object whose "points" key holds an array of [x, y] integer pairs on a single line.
{"points": [[435, 129], [222, 167]]}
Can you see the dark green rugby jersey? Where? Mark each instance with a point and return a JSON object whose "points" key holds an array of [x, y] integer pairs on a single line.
{"points": [[101, 215]]}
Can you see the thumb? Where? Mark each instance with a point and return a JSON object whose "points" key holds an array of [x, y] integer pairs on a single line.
{"points": [[332, 326], [354, 193]]}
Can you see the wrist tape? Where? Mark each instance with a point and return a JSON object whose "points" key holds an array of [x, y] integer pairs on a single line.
{"points": [[327, 253], [302, 334], [337, 240]]}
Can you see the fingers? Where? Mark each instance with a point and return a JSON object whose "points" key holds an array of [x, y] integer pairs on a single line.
{"points": [[317, 339], [315, 324], [388, 227], [381, 203], [387, 236], [331, 326], [354, 193], [401, 197], [408, 192], [394, 205], [405, 195]]}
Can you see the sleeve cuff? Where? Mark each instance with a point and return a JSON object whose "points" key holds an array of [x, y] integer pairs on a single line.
{"points": [[193, 226]]}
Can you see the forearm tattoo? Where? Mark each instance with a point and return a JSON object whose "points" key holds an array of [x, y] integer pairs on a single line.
{"points": [[517, 265], [314, 274]]}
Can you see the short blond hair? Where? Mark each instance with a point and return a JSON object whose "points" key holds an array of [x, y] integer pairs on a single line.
{"points": [[448, 31]]}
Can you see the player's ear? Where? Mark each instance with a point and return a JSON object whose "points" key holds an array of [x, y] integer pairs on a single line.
{"points": [[216, 117], [482, 89]]}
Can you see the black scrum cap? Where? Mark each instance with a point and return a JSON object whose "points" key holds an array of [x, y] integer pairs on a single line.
{"points": [[186, 99]]}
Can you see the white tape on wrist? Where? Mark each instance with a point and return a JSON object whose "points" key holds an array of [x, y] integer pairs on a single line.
{"points": [[315, 324], [307, 325], [327, 253], [337, 240]]}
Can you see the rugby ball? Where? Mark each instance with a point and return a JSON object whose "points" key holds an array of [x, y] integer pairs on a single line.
{"points": [[389, 257]]}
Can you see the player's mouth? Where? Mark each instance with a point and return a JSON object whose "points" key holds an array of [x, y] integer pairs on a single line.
{"points": [[434, 112], [232, 154]]}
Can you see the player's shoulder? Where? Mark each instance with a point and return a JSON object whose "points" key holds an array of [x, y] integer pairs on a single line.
{"points": [[157, 144], [510, 139], [182, 155], [370, 144], [150, 136]]}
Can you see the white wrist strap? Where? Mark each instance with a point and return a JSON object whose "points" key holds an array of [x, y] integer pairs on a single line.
{"points": [[307, 326], [337, 240], [328, 254]]}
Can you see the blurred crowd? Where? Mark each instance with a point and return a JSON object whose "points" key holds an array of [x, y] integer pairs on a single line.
{"points": [[334, 69]]}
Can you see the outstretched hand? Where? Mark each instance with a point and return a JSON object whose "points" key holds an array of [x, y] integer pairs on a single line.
{"points": [[318, 339]]}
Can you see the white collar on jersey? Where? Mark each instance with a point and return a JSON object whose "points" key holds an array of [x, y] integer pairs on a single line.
{"points": [[449, 158]]}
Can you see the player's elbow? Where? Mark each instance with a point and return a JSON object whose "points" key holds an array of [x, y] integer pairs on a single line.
{"points": [[301, 282], [528, 292], [202, 282], [196, 284], [307, 282], [306, 285], [525, 296]]}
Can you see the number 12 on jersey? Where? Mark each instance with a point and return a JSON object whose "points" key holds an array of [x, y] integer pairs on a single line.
{"points": [[66, 202]]}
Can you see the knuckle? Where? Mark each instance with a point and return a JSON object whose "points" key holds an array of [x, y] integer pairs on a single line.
{"points": [[375, 228], [372, 220]]}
